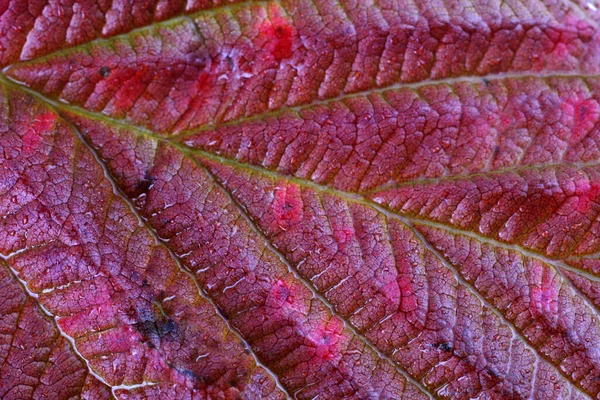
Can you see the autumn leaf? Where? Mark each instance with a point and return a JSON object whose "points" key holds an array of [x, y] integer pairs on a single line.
{"points": [[299, 199]]}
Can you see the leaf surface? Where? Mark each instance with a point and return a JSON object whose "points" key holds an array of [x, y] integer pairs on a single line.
{"points": [[299, 199]]}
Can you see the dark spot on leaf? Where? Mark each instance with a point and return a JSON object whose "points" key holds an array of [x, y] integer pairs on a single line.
{"points": [[145, 184], [444, 346], [104, 71], [165, 328], [187, 372], [492, 372], [148, 329], [155, 329], [207, 380]]}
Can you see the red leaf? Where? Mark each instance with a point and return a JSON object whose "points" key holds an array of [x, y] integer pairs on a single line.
{"points": [[302, 199]]}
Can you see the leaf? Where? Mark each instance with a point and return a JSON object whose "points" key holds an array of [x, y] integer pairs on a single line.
{"points": [[299, 199]]}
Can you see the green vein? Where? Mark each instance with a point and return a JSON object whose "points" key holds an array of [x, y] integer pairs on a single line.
{"points": [[190, 156], [143, 223], [414, 86], [175, 19], [349, 197]]}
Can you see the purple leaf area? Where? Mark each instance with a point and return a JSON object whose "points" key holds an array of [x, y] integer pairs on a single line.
{"points": [[299, 199]]}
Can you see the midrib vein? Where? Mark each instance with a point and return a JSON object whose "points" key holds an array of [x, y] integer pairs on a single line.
{"points": [[408, 220], [273, 113], [142, 222], [348, 196], [180, 17]]}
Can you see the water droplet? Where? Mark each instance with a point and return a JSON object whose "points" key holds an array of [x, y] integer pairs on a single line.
{"points": [[14, 199], [11, 233], [25, 219]]}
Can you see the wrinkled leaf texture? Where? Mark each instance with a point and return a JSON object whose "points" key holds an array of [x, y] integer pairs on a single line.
{"points": [[311, 199]]}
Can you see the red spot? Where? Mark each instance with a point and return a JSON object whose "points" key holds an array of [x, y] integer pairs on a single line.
{"points": [[565, 44], [344, 236], [325, 339], [44, 122], [587, 193], [277, 34], [132, 82], [33, 137], [288, 206], [204, 82], [281, 295]]}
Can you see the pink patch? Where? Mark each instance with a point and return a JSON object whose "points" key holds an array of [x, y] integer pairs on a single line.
{"points": [[132, 82], [281, 295], [344, 236], [277, 34], [288, 206], [33, 137], [566, 43], [587, 194], [326, 339]]}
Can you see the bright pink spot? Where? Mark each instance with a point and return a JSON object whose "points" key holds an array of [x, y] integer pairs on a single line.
{"points": [[326, 339], [44, 122], [288, 206], [566, 44], [587, 193], [132, 82], [344, 236], [277, 34], [204, 82], [282, 294], [33, 137]]}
